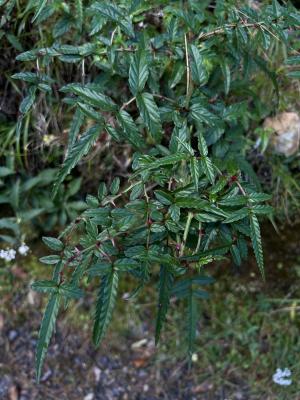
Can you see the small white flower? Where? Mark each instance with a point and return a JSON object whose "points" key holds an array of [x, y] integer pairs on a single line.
{"points": [[194, 357], [8, 254], [23, 249], [281, 375]]}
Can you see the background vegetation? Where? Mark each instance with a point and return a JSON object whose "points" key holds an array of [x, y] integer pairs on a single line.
{"points": [[38, 130]]}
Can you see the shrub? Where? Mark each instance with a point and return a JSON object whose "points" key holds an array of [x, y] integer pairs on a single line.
{"points": [[177, 84]]}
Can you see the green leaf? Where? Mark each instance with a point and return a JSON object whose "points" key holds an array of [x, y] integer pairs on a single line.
{"points": [[105, 304], [237, 215], [130, 130], [45, 286], [256, 242], [294, 74], [293, 60], [70, 291], [92, 96], [115, 14], [102, 191], [208, 169], [166, 279], [40, 7], [115, 185], [53, 243], [199, 73], [28, 101], [53, 259], [46, 330], [90, 112], [225, 68], [202, 146], [195, 171], [80, 149], [76, 124], [4, 171], [138, 72], [150, 114], [203, 115]]}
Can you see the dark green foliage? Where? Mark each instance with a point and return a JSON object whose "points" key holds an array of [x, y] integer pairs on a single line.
{"points": [[180, 91]]}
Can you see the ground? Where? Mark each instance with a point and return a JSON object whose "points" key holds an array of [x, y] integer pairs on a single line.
{"points": [[247, 329]]}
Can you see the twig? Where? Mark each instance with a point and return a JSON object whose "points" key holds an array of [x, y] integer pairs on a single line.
{"points": [[187, 67], [127, 103]]}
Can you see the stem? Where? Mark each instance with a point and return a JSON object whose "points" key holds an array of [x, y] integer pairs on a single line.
{"points": [[127, 103], [241, 188], [199, 239], [221, 30], [187, 70], [186, 232]]}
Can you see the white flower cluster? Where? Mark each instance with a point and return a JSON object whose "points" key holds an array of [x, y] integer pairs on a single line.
{"points": [[281, 375], [23, 249], [10, 254]]}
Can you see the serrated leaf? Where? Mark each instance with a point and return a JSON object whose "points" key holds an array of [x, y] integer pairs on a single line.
{"points": [[95, 98], [80, 149], [199, 73], [28, 101], [115, 186], [70, 291], [138, 72], [130, 130], [90, 112], [202, 146], [40, 6], [105, 304], [166, 280], [225, 68], [256, 242], [53, 259], [46, 330], [203, 115], [236, 215], [150, 114], [208, 169], [45, 286], [53, 243], [195, 171], [102, 191], [116, 14], [294, 74], [76, 124]]}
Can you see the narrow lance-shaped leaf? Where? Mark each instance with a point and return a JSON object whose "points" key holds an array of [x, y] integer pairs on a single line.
{"points": [[166, 279], [226, 74], [115, 14], [198, 69], [202, 146], [46, 330], [208, 169], [130, 130], [79, 150], [76, 124], [138, 72], [150, 114], [195, 171], [256, 242], [40, 7], [105, 305], [92, 96]]}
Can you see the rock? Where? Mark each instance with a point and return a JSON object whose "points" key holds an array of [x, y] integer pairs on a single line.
{"points": [[12, 335], [286, 128], [89, 396]]}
